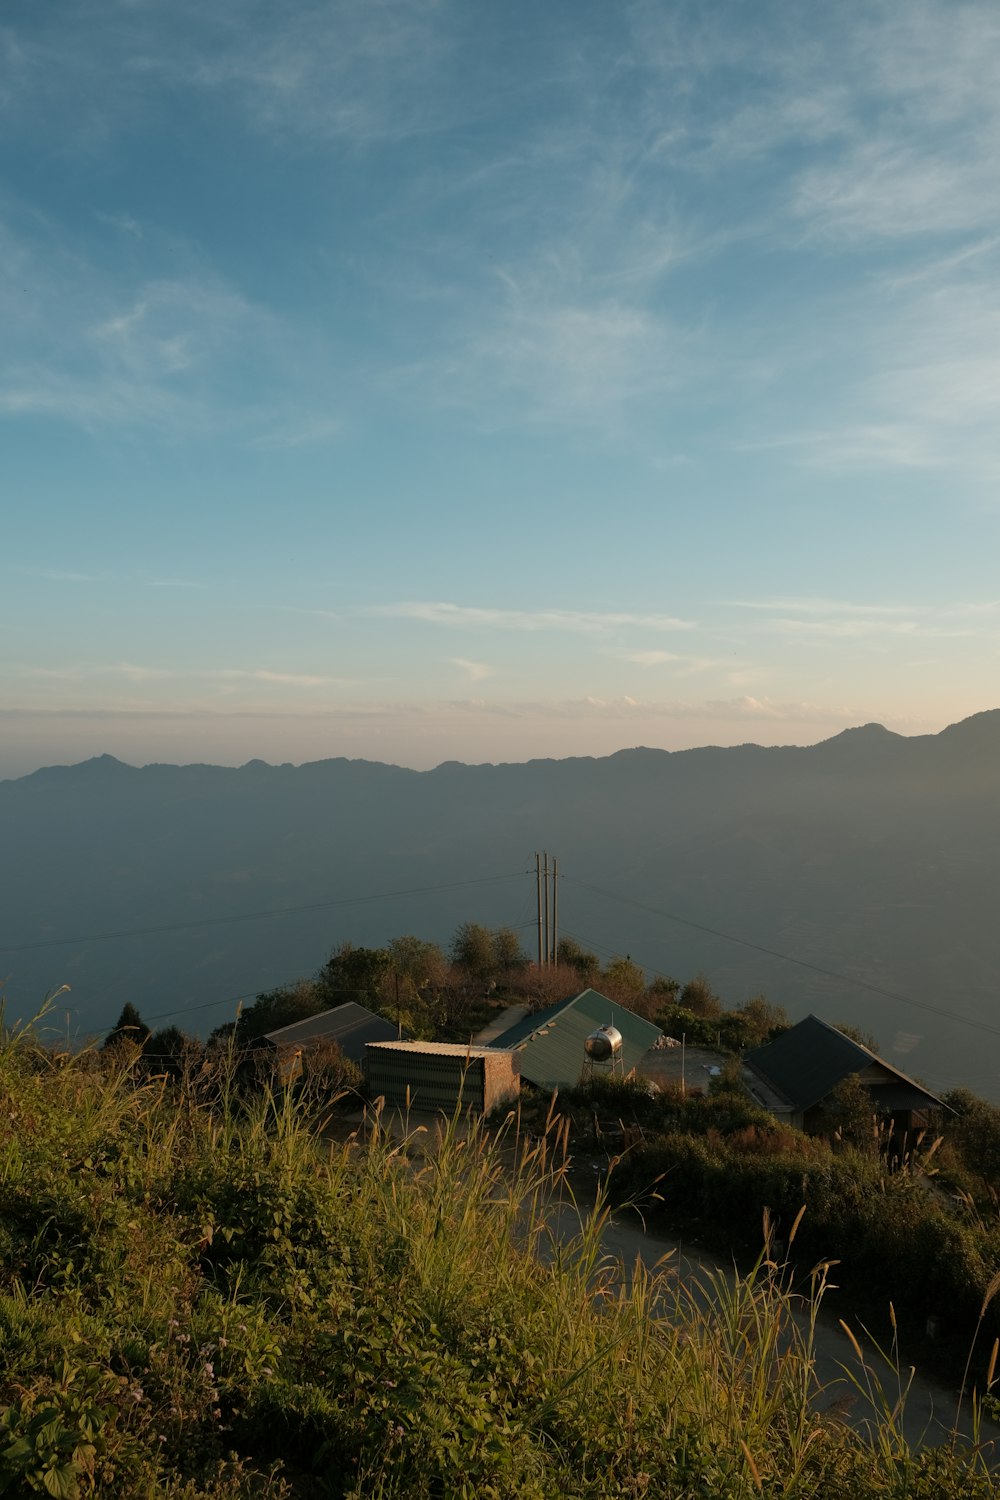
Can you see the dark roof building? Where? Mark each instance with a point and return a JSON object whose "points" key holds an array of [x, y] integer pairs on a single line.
{"points": [[795, 1074], [350, 1025], [549, 1043]]}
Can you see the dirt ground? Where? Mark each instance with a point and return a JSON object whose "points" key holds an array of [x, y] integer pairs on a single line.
{"points": [[691, 1066]]}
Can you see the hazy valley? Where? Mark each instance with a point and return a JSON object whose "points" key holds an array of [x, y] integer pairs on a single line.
{"points": [[872, 855]]}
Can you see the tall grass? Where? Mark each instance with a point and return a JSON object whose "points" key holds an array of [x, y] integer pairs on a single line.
{"points": [[203, 1293]]}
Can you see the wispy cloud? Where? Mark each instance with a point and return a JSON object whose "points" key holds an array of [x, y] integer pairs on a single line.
{"points": [[627, 708], [925, 124], [137, 673], [477, 671], [103, 348], [461, 616], [163, 355], [683, 665], [809, 606], [874, 138], [300, 432], [348, 70], [651, 658], [69, 575], [623, 708], [354, 70], [64, 575], [283, 679], [565, 360], [123, 222], [847, 620]]}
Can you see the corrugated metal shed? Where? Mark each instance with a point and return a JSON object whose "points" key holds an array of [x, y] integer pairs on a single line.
{"points": [[350, 1025], [807, 1062], [550, 1042], [440, 1075]]}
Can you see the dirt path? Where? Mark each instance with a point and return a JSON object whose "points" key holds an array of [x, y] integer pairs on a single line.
{"points": [[929, 1411], [930, 1408], [501, 1023]]}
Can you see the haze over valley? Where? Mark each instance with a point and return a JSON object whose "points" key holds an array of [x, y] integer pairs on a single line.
{"points": [[871, 855]]}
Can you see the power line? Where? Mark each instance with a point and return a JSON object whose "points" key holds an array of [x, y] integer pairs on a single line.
{"points": [[190, 1010], [248, 916], [788, 958], [281, 911]]}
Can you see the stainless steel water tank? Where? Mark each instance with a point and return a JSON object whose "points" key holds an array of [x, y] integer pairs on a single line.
{"points": [[601, 1045]]}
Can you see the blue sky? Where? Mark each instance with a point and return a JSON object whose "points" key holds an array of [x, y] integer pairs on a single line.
{"points": [[432, 381]]}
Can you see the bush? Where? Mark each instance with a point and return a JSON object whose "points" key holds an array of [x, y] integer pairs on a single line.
{"points": [[891, 1239]]}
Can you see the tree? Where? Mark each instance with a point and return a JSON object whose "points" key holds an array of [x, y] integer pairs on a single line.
{"points": [[129, 1027], [863, 1038], [485, 953], [353, 974], [326, 1072], [665, 990], [507, 955], [697, 1031], [422, 965], [752, 1024], [416, 991], [975, 1133], [623, 981], [729, 1080], [170, 1051], [472, 950], [698, 996], [280, 1007], [570, 954], [850, 1113]]}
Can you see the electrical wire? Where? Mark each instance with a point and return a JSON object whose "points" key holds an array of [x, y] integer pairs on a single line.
{"points": [[249, 916], [840, 978], [802, 963], [186, 1010]]}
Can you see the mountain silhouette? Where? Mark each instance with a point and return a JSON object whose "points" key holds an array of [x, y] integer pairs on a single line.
{"points": [[872, 854]]}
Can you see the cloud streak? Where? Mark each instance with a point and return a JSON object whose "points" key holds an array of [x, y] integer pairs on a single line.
{"points": [[846, 620], [136, 673], [585, 622], [105, 348], [477, 671]]}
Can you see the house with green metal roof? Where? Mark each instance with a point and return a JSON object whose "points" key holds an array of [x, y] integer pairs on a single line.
{"points": [[550, 1043], [794, 1075]]}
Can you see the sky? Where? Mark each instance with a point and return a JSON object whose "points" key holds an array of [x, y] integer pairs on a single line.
{"points": [[423, 381]]}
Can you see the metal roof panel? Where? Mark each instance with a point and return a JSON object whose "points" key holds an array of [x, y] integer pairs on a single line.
{"points": [[550, 1042]]}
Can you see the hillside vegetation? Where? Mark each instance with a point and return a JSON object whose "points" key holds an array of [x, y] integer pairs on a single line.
{"points": [[914, 1227], [201, 1296]]}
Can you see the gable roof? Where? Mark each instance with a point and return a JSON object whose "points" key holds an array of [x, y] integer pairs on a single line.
{"points": [[350, 1025], [549, 1043], [808, 1061]]}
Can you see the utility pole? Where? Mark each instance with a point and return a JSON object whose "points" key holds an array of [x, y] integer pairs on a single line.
{"points": [[545, 880], [548, 909], [555, 909]]}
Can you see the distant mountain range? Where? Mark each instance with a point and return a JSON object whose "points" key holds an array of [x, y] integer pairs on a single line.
{"points": [[872, 855]]}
